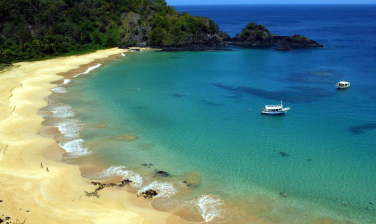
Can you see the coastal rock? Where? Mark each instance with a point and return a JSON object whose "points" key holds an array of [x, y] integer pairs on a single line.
{"points": [[254, 35], [149, 193], [162, 174], [125, 182]]}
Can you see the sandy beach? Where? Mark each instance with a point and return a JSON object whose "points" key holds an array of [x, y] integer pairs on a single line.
{"points": [[28, 192]]}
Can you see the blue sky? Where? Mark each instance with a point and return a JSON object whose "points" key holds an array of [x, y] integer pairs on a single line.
{"points": [[221, 2]]}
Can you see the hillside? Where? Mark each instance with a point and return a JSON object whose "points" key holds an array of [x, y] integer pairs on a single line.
{"points": [[32, 29]]}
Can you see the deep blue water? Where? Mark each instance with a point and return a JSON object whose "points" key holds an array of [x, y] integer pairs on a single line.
{"points": [[198, 117]]}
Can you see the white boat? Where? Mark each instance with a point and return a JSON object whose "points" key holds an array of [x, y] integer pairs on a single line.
{"points": [[274, 109], [342, 85]]}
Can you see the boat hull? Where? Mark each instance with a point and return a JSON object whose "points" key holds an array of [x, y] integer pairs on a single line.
{"points": [[273, 113]]}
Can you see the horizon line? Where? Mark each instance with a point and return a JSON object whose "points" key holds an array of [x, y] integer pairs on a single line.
{"points": [[281, 4]]}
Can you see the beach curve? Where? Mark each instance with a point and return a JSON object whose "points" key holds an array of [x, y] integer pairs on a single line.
{"points": [[28, 192]]}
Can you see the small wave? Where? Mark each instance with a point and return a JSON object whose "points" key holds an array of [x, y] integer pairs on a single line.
{"points": [[210, 207], [164, 189], [75, 147], [119, 171], [70, 129], [89, 70], [63, 111], [59, 89], [66, 81]]}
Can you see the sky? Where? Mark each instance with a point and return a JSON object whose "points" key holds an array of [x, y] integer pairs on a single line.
{"points": [[222, 2]]}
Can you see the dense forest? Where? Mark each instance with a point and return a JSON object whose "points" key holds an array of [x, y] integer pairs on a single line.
{"points": [[34, 29]]}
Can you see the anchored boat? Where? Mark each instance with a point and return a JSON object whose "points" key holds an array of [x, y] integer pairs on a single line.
{"points": [[342, 85], [274, 109]]}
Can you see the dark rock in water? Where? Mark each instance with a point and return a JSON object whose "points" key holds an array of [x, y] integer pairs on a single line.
{"points": [[187, 183], [125, 182], [283, 154], [149, 193], [283, 48], [254, 35], [309, 160], [144, 164], [361, 128], [162, 173]]}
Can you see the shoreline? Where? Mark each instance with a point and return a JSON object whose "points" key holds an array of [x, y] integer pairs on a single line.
{"points": [[28, 191]]}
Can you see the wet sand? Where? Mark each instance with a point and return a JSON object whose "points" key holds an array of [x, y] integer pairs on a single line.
{"points": [[28, 191]]}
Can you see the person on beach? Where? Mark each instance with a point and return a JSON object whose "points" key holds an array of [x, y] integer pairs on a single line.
{"points": [[41, 165], [47, 169]]}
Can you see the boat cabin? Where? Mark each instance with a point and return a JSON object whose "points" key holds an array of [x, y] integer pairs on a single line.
{"points": [[274, 109], [342, 85]]}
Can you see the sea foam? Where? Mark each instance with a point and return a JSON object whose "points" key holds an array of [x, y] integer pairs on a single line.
{"points": [[89, 70], [63, 111], [70, 128], [119, 171], [209, 206], [66, 81], [59, 89], [164, 189], [75, 147]]}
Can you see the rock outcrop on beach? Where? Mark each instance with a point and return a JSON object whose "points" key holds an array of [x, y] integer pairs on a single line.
{"points": [[254, 35]]}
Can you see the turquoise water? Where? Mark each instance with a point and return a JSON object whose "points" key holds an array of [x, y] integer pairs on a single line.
{"points": [[198, 117]]}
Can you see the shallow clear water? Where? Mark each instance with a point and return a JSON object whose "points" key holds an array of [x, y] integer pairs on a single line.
{"points": [[197, 116]]}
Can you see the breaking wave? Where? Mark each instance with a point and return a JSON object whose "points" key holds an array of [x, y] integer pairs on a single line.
{"points": [[75, 147], [70, 129], [66, 81], [89, 70], [210, 207], [63, 111], [59, 89]]}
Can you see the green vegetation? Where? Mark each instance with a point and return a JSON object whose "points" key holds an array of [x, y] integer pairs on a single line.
{"points": [[259, 34], [35, 29]]}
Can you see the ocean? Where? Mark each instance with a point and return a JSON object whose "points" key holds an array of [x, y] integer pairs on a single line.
{"points": [[197, 117]]}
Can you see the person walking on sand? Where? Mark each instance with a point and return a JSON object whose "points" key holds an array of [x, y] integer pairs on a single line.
{"points": [[47, 169], [41, 165]]}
